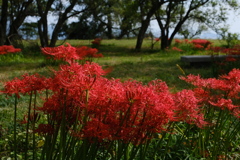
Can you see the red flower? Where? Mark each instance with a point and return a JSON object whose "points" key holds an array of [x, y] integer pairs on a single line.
{"points": [[44, 129], [177, 41], [13, 87], [8, 49], [198, 46], [202, 42], [188, 108], [229, 58], [220, 92], [26, 84], [177, 49], [97, 41], [70, 54], [87, 52]]}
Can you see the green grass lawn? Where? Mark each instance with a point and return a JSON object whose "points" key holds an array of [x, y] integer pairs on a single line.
{"points": [[127, 64]]}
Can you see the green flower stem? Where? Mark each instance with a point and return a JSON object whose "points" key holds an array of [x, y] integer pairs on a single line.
{"points": [[33, 124], [15, 127], [63, 132], [163, 136], [28, 121]]}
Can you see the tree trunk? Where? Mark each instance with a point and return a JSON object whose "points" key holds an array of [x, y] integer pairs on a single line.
{"points": [[56, 30], [109, 27], [43, 22], [146, 20], [164, 43], [3, 22], [141, 34], [62, 18], [18, 21]]}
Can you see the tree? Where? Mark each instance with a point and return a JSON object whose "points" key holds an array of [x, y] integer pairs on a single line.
{"points": [[127, 18], [29, 30], [3, 21], [192, 28], [147, 9], [23, 10], [61, 11], [13, 14], [175, 14]]}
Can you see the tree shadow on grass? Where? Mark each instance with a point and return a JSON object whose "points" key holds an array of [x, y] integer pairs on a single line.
{"points": [[164, 69], [146, 71]]}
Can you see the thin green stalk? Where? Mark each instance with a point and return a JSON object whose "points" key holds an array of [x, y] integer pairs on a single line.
{"points": [[217, 133], [82, 151], [15, 128], [93, 150], [33, 126], [145, 147], [108, 150], [63, 130], [28, 121], [159, 143]]}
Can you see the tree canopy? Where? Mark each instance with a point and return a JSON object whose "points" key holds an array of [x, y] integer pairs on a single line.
{"points": [[88, 19]]}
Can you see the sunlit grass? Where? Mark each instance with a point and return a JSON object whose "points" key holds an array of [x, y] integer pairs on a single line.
{"points": [[126, 63]]}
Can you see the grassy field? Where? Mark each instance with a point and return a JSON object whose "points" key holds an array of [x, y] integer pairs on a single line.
{"points": [[144, 66]]}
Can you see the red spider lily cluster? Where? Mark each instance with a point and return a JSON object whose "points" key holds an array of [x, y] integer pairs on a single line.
{"points": [[70, 54], [221, 93], [197, 44], [203, 42], [177, 49], [97, 41], [227, 51], [200, 43], [178, 41], [106, 109], [8, 49]]}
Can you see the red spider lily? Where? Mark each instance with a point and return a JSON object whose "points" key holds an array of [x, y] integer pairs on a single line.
{"points": [[231, 51], [97, 41], [87, 52], [45, 129], [188, 108], [219, 92], [66, 53], [229, 58], [202, 42], [8, 49], [157, 39], [127, 111], [13, 87], [177, 41], [186, 40], [24, 85], [216, 49], [177, 49], [227, 51], [198, 46], [69, 53]]}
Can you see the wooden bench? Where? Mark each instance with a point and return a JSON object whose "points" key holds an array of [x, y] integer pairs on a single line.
{"points": [[204, 59]]}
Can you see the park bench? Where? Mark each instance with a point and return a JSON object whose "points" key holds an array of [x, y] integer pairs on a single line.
{"points": [[201, 60]]}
